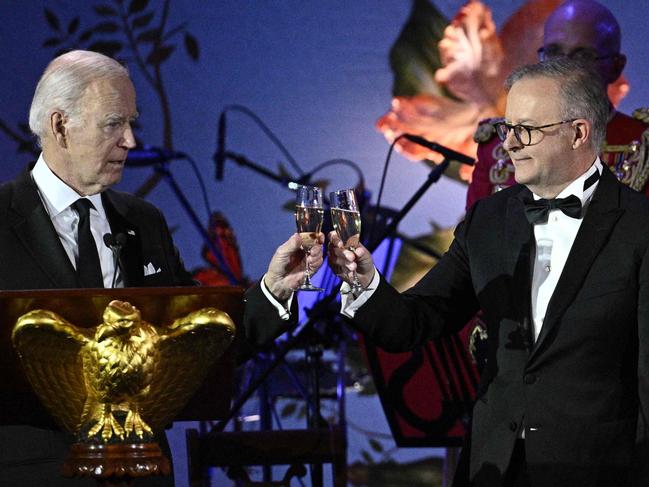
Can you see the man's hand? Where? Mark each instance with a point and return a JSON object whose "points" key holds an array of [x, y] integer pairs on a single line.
{"points": [[344, 262], [286, 268]]}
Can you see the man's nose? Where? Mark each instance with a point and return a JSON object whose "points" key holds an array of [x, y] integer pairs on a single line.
{"points": [[128, 139], [511, 141]]}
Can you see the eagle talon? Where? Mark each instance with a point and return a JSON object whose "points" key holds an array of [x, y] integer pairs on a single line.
{"points": [[134, 422], [106, 423]]}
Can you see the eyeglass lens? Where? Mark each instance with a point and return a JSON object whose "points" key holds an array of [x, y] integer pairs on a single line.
{"points": [[521, 132]]}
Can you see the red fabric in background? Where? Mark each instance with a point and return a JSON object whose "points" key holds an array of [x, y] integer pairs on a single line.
{"points": [[427, 395]]}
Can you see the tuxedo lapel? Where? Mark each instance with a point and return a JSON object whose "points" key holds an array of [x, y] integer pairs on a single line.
{"points": [[601, 216], [34, 229], [519, 240], [130, 261]]}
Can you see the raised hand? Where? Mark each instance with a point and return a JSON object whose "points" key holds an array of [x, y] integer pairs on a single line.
{"points": [[344, 262], [286, 268]]}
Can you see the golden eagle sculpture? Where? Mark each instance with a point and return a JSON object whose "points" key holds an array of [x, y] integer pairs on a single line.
{"points": [[124, 379]]}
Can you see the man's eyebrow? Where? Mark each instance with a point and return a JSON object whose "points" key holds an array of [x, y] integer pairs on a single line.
{"points": [[525, 121], [121, 117]]}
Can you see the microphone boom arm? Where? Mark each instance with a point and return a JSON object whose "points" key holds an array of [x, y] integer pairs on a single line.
{"points": [[440, 149]]}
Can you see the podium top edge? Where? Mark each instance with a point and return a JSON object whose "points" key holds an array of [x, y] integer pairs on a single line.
{"points": [[121, 292]]}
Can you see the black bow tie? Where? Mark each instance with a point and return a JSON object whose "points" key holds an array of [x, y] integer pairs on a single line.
{"points": [[537, 211]]}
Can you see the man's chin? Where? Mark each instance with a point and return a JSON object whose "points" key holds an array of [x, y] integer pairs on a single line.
{"points": [[110, 181], [521, 176]]}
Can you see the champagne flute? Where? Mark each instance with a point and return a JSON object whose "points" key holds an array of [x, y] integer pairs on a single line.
{"points": [[346, 219], [309, 214]]}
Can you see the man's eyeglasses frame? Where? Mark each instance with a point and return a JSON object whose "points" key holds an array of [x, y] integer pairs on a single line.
{"points": [[503, 129]]}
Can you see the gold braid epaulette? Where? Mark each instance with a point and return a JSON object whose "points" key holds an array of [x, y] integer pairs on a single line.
{"points": [[641, 174], [641, 114], [486, 130], [630, 162]]}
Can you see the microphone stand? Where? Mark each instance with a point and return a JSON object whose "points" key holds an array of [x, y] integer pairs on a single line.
{"points": [[162, 169], [245, 162], [322, 307]]}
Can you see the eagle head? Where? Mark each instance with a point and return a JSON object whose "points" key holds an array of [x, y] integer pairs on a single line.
{"points": [[119, 317]]}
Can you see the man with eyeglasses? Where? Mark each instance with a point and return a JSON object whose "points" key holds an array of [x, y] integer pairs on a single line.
{"points": [[559, 263], [586, 31]]}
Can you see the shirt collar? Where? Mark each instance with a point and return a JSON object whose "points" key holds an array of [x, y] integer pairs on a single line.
{"points": [[577, 186], [57, 194]]}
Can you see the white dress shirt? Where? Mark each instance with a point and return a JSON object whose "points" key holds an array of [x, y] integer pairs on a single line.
{"points": [[57, 198], [284, 311], [554, 240]]}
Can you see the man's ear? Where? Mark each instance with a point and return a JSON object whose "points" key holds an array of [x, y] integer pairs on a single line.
{"points": [[583, 132], [58, 129]]}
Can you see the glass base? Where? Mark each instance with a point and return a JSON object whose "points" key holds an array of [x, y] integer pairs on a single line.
{"points": [[356, 290], [309, 287]]}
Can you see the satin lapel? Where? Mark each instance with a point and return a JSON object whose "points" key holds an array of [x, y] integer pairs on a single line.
{"points": [[603, 212], [517, 228], [519, 241], [120, 221], [35, 231]]}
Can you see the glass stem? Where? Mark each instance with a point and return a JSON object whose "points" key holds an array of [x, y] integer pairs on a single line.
{"points": [[307, 270], [356, 284]]}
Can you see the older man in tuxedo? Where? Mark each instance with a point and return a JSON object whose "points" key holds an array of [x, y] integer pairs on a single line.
{"points": [[559, 263], [53, 218]]}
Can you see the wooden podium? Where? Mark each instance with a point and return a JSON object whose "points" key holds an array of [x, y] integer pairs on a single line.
{"points": [[84, 308]]}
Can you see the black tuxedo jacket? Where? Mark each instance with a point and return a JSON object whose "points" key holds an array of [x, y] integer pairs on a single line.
{"points": [[577, 391]]}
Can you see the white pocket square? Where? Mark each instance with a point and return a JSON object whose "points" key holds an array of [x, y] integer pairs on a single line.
{"points": [[150, 269]]}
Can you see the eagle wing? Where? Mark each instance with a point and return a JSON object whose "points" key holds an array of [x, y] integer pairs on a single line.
{"points": [[187, 350], [48, 347]]}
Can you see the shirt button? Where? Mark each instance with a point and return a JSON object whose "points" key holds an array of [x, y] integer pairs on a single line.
{"points": [[529, 379], [513, 426], [547, 268]]}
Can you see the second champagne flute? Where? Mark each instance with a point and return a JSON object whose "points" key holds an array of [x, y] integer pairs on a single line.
{"points": [[346, 219], [309, 214]]}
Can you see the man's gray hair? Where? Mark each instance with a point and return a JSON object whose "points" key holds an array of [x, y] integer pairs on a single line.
{"points": [[581, 93], [63, 84]]}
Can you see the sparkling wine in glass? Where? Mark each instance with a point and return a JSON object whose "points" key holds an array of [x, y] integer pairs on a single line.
{"points": [[346, 219], [309, 214]]}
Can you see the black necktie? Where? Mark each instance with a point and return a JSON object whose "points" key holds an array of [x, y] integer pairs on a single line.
{"points": [[88, 265], [537, 211]]}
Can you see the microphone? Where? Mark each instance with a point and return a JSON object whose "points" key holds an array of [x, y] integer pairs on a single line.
{"points": [[440, 149], [115, 243], [219, 157], [149, 156]]}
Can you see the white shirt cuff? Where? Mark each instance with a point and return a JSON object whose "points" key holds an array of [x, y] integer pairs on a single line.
{"points": [[284, 313], [349, 303]]}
